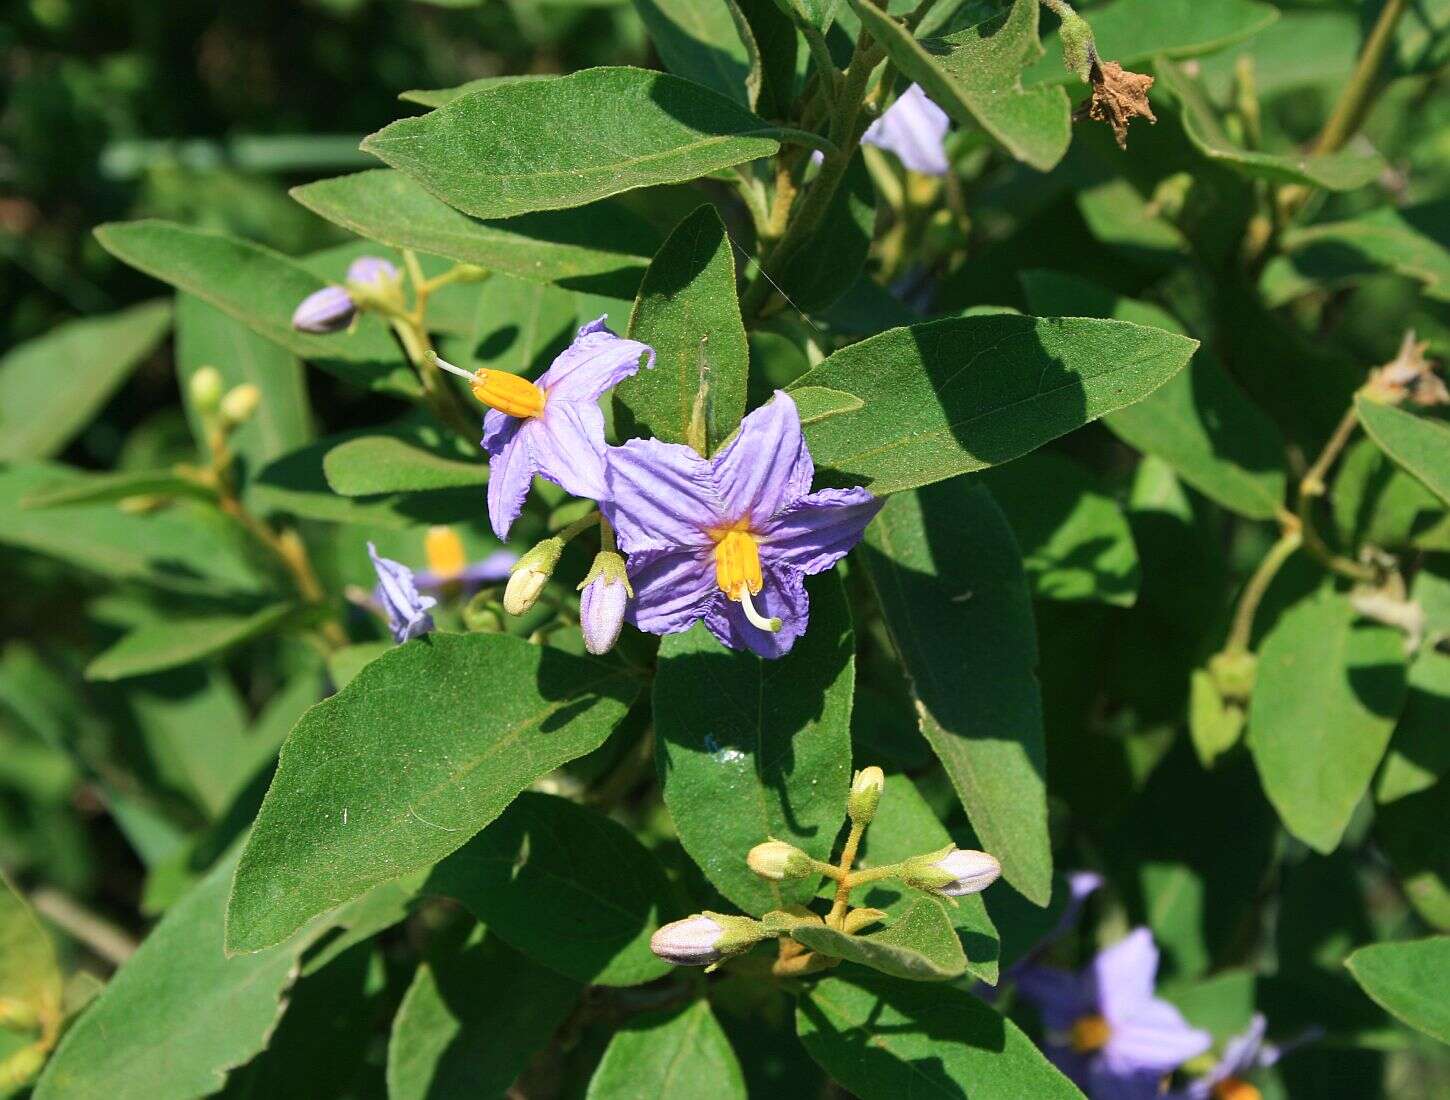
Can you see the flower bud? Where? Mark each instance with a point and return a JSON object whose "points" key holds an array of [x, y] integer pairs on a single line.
{"points": [[371, 271], [865, 795], [778, 861], [240, 403], [18, 1015], [330, 309], [606, 593], [206, 390], [951, 872], [706, 938], [529, 576], [1233, 673], [22, 1066]]}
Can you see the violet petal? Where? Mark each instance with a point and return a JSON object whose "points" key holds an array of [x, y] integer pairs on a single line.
{"points": [[766, 467], [819, 530], [661, 496]]}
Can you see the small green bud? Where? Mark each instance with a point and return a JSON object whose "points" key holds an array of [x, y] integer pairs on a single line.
{"points": [[240, 404], [22, 1067], [483, 614], [206, 390], [865, 795], [778, 861], [529, 576], [1078, 47], [18, 1015], [1233, 673], [471, 273]]}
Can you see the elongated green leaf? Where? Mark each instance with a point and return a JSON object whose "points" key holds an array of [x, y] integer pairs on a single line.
{"points": [[884, 1038], [949, 578], [109, 488], [815, 403], [1377, 502], [28, 972], [372, 464], [1411, 832], [569, 140], [660, 1057], [437, 97], [52, 386], [1199, 422], [565, 885], [1342, 171], [601, 246], [1131, 32], [949, 397], [1328, 693], [259, 288], [750, 748], [919, 944], [1419, 753], [183, 641], [179, 1014], [471, 1021], [179, 549], [1382, 238], [704, 43], [207, 337], [425, 747], [1419, 444], [1408, 979], [1075, 540], [688, 312], [975, 76]]}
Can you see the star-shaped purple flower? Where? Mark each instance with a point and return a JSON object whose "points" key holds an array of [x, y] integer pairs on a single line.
{"points": [[1106, 1030], [397, 591], [564, 439], [915, 129], [731, 539], [1242, 1055]]}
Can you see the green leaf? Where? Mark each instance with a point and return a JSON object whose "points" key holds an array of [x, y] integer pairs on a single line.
{"points": [[1328, 693], [179, 1014], [52, 386], [109, 488], [1384, 238], [602, 246], [1419, 444], [184, 639], [1214, 723], [950, 582], [1408, 980], [372, 464], [565, 885], [750, 748], [816, 403], [28, 971], [1199, 422], [181, 549], [1376, 502], [1132, 32], [1419, 753], [1410, 831], [949, 397], [834, 256], [569, 140], [704, 43], [471, 1021], [688, 312], [883, 1038], [207, 337], [906, 826], [426, 746], [975, 76], [259, 288], [1075, 540], [918, 944], [438, 97], [519, 327], [1342, 171], [663, 1056]]}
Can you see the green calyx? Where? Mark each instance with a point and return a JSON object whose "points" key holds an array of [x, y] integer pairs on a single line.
{"points": [[1079, 50], [1233, 673], [541, 559], [609, 566]]}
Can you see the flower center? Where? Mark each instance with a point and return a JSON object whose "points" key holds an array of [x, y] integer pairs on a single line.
{"points": [[737, 572], [1234, 1088], [1090, 1033], [446, 557], [498, 389]]}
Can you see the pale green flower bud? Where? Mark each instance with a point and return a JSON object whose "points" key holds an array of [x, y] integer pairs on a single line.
{"points": [[865, 795], [951, 872], [206, 390], [778, 861], [1234, 673], [529, 576], [240, 404], [706, 938]]}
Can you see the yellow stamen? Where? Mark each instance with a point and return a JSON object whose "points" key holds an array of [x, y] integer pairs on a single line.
{"points": [[737, 562], [446, 556], [1234, 1088], [1090, 1033], [508, 393]]}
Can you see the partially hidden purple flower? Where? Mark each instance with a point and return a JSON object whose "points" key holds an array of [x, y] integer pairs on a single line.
{"points": [[448, 563], [552, 426], [1242, 1055], [397, 591], [915, 129], [731, 539], [330, 309], [371, 270], [1105, 1028]]}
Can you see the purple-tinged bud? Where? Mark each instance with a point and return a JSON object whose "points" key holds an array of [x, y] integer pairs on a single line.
{"points": [[371, 270], [952, 872], [778, 861], [605, 594], [330, 309], [865, 795], [706, 938]]}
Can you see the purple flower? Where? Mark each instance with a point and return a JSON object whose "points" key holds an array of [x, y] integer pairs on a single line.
{"points": [[397, 591], [370, 270], [915, 129], [448, 563], [553, 426], [1241, 1056], [1105, 1029], [731, 539], [330, 309]]}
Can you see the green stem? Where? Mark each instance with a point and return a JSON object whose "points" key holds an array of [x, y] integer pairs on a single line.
{"points": [[843, 884], [1241, 634], [1363, 87], [1311, 487]]}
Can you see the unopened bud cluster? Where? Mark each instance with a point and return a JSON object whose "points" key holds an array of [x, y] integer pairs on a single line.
{"points": [[707, 939]]}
